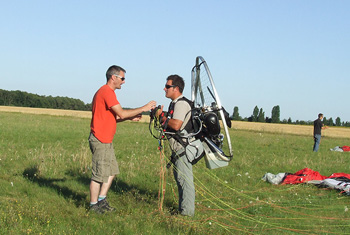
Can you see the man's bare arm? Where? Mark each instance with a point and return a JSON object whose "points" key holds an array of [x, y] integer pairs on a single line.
{"points": [[127, 114]]}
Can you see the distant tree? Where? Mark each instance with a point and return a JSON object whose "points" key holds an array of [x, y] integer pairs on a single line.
{"points": [[325, 121], [24, 99], [3, 97], [275, 114], [289, 121], [38, 103], [235, 115], [88, 107], [254, 117], [330, 122], [268, 120], [261, 116], [19, 97], [337, 121]]}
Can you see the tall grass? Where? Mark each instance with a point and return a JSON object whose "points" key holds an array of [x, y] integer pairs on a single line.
{"points": [[45, 174]]}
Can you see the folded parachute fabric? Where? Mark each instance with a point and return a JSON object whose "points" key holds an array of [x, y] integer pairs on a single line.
{"points": [[274, 179], [339, 181], [336, 184], [337, 149], [341, 149], [302, 176]]}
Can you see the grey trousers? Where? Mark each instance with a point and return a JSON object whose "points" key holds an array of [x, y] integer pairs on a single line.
{"points": [[184, 178]]}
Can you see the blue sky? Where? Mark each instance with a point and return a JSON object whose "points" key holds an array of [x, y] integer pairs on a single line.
{"points": [[294, 54]]}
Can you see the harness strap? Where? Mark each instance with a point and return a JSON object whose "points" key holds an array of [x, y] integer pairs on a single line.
{"points": [[173, 158], [189, 127]]}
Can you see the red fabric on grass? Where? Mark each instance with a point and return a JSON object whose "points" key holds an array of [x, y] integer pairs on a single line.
{"points": [[307, 174], [303, 176]]}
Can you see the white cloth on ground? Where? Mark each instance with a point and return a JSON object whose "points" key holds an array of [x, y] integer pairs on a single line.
{"points": [[274, 179]]}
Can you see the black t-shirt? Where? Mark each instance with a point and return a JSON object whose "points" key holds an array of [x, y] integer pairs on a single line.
{"points": [[317, 126]]}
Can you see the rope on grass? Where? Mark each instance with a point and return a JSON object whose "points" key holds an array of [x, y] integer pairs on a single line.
{"points": [[227, 222], [162, 181]]}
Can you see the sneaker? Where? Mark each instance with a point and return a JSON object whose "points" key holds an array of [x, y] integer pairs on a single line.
{"points": [[97, 208], [105, 206]]}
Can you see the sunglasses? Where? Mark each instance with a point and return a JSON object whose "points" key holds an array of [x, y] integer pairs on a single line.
{"points": [[168, 86], [122, 78]]}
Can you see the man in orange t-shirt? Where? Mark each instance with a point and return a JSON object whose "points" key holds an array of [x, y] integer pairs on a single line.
{"points": [[106, 112]]}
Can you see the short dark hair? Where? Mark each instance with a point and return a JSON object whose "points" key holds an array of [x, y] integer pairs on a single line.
{"points": [[177, 81], [320, 115], [114, 69]]}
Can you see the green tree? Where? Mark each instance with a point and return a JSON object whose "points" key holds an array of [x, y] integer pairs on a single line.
{"points": [[261, 116], [325, 121], [25, 99], [275, 114], [235, 115], [6, 98], [337, 121], [330, 122], [255, 114]]}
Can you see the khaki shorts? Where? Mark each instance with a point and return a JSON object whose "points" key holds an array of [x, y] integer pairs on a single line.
{"points": [[104, 162]]}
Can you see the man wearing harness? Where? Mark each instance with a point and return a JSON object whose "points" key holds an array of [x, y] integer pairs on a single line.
{"points": [[175, 121]]}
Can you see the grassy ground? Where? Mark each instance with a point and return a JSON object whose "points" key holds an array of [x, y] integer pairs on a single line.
{"points": [[45, 172]]}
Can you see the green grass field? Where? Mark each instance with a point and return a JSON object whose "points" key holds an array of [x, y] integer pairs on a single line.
{"points": [[45, 174]]}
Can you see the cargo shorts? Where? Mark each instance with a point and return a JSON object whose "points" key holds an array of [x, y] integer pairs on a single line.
{"points": [[104, 162]]}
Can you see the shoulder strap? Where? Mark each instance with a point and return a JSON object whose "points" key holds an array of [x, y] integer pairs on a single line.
{"points": [[189, 125]]}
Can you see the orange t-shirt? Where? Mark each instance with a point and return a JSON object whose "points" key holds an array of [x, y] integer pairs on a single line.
{"points": [[103, 122]]}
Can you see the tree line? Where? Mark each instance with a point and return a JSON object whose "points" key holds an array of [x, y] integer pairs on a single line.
{"points": [[25, 99], [259, 116]]}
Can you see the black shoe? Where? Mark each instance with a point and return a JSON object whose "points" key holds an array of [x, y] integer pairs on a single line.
{"points": [[174, 212], [97, 208], [105, 206]]}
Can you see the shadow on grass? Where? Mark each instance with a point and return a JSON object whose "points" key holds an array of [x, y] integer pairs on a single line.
{"points": [[139, 194], [32, 175], [120, 187], [80, 199]]}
